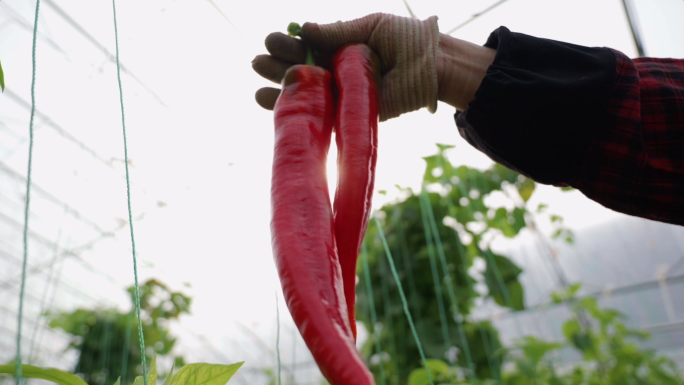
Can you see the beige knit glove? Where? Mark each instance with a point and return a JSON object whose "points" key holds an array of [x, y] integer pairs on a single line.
{"points": [[406, 47]]}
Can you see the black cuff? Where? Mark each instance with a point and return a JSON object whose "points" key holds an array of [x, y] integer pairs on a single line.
{"points": [[539, 105]]}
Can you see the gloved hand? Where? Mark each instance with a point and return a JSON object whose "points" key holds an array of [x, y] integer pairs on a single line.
{"points": [[407, 49]]}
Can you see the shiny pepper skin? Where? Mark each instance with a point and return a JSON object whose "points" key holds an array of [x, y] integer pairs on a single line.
{"points": [[302, 229], [356, 133]]}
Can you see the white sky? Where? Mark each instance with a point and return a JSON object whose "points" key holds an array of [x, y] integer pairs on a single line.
{"points": [[207, 155]]}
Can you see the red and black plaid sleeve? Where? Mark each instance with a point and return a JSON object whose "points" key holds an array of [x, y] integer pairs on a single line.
{"points": [[636, 165], [586, 117]]}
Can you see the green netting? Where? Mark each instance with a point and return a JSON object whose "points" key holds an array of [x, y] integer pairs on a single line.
{"points": [[404, 302], [371, 309]]}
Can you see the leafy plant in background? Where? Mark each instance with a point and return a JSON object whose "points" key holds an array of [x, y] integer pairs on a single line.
{"points": [[107, 339], [558, 231], [609, 350], [457, 212]]}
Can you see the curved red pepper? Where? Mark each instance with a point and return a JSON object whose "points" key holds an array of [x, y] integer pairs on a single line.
{"points": [[356, 134], [302, 225]]}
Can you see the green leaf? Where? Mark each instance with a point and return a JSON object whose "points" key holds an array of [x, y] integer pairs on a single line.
{"points": [[431, 164], [535, 349], [2, 78], [577, 337], [516, 294], [421, 377], [444, 147], [437, 367], [566, 294], [205, 374], [526, 189], [151, 374], [573, 289], [48, 374], [118, 381], [519, 219], [571, 327], [509, 272], [170, 375]]}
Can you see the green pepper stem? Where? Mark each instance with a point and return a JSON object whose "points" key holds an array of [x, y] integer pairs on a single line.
{"points": [[294, 29], [309, 57]]}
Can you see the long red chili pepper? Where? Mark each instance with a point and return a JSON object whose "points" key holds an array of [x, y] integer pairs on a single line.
{"points": [[356, 134], [302, 230]]}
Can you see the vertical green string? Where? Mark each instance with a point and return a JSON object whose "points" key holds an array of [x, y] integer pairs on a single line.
{"points": [[387, 304], [408, 267], [280, 382], [488, 349], [463, 255], [127, 340], [491, 262], [435, 277], [104, 346], [86, 362], [18, 371], [499, 279], [371, 308], [128, 195], [450, 283], [403, 299]]}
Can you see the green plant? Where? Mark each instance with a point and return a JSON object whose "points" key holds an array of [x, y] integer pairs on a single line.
{"points": [[610, 354], [192, 374], [107, 339], [610, 351], [532, 365], [611, 348], [452, 220]]}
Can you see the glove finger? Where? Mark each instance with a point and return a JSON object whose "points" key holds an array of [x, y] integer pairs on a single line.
{"points": [[286, 48], [270, 67], [329, 37], [266, 97]]}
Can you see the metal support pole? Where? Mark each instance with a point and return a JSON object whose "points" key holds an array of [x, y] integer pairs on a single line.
{"points": [[631, 18]]}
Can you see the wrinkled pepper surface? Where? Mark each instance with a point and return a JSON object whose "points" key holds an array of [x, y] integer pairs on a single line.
{"points": [[302, 228], [355, 68]]}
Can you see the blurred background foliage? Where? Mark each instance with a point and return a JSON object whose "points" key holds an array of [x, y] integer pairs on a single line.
{"points": [[440, 240], [107, 339], [609, 349], [435, 236]]}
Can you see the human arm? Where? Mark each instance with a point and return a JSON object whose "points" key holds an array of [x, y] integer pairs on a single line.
{"points": [[563, 114], [589, 118]]}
